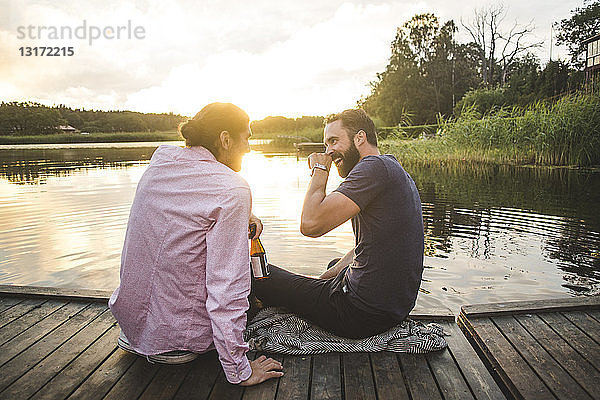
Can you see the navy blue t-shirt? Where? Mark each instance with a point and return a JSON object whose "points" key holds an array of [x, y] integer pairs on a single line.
{"points": [[386, 273]]}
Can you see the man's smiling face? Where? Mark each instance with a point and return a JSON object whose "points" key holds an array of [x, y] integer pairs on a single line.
{"points": [[340, 147]]}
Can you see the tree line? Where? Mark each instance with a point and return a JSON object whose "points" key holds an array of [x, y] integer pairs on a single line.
{"points": [[430, 74], [30, 118], [278, 126]]}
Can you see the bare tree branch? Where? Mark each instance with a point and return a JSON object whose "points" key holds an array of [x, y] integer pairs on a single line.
{"points": [[498, 47]]}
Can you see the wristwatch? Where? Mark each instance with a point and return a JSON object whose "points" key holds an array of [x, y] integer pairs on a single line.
{"points": [[320, 166]]}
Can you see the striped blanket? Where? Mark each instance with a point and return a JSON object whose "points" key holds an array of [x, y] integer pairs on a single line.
{"points": [[275, 330]]}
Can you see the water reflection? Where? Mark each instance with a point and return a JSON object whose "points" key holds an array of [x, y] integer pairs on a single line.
{"points": [[492, 232], [513, 232], [34, 166], [478, 202], [64, 213]]}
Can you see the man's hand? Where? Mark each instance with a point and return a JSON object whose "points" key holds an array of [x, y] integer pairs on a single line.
{"points": [[263, 368], [341, 264], [259, 226], [321, 158], [321, 213]]}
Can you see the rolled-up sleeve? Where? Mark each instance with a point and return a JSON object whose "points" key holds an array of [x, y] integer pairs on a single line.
{"points": [[228, 282]]}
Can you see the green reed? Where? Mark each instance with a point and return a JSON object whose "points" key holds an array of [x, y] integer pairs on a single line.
{"points": [[566, 132]]}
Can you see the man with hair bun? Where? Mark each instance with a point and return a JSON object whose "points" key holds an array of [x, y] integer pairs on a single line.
{"points": [[185, 275], [374, 286]]}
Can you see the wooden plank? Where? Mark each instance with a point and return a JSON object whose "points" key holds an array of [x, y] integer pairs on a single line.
{"points": [[295, 383], [551, 372], [431, 313], [389, 382], [531, 306], [71, 377], [134, 380], [581, 370], [358, 376], [517, 376], [19, 310], [8, 302], [448, 376], [478, 378], [24, 322], [56, 293], [26, 339], [575, 336], [31, 356], [586, 323], [594, 314], [266, 390], [97, 385], [32, 380], [201, 378], [419, 379], [326, 382], [165, 383], [309, 147], [223, 390]]}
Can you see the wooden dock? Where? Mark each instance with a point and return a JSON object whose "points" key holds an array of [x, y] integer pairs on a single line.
{"points": [[60, 343], [57, 343], [539, 349], [309, 147]]}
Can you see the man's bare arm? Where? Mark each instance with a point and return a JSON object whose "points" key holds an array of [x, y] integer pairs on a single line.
{"points": [[335, 270], [321, 213]]}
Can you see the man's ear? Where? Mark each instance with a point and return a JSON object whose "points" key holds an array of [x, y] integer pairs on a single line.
{"points": [[225, 140], [360, 138]]}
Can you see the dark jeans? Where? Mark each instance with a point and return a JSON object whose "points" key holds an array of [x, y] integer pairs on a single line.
{"points": [[321, 301]]}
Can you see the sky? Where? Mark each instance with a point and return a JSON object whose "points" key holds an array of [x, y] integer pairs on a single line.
{"points": [[284, 57]]}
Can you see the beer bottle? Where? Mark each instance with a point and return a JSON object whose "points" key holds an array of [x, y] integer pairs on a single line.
{"points": [[258, 257]]}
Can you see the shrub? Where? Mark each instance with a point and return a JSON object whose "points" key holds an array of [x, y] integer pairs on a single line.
{"points": [[483, 101]]}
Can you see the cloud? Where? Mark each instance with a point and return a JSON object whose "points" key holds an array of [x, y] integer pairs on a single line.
{"points": [[289, 57], [318, 69]]}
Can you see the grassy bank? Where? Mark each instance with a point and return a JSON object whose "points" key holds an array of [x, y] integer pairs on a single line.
{"points": [[284, 142], [565, 133], [93, 138]]}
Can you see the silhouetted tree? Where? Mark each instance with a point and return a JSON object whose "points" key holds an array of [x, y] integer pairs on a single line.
{"points": [[498, 48], [427, 73]]}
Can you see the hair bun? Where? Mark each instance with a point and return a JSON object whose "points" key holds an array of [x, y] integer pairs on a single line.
{"points": [[204, 129], [190, 128]]}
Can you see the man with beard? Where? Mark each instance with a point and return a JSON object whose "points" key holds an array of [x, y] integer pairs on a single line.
{"points": [[374, 286]]}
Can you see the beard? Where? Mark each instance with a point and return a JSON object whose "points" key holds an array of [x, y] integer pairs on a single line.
{"points": [[349, 159]]}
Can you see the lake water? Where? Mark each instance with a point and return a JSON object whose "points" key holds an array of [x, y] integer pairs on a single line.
{"points": [[493, 233]]}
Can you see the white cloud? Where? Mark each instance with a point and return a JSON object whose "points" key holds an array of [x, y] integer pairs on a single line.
{"points": [[288, 76]]}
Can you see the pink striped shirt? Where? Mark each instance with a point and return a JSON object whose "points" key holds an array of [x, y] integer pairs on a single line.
{"points": [[185, 274]]}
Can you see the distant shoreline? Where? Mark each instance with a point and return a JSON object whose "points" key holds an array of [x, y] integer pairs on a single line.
{"points": [[65, 138], [434, 150]]}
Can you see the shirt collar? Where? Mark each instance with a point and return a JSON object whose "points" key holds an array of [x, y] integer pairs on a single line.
{"points": [[200, 153]]}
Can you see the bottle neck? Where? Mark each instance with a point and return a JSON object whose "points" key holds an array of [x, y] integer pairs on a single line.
{"points": [[256, 247]]}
